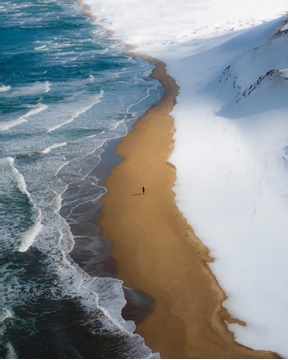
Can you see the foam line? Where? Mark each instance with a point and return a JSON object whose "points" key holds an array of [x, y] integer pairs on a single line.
{"points": [[78, 113], [52, 147], [4, 126], [29, 236], [4, 88]]}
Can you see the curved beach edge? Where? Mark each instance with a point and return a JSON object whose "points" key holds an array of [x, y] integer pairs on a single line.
{"points": [[156, 250]]}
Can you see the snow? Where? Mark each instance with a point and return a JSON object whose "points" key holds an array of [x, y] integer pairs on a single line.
{"points": [[231, 142], [284, 28]]}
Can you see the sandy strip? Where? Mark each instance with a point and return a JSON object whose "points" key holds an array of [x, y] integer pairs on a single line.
{"points": [[155, 249]]}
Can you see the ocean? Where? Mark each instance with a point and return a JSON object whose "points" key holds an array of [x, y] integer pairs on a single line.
{"points": [[68, 93]]}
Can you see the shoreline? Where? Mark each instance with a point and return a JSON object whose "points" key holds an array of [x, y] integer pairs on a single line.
{"points": [[188, 319], [220, 343]]}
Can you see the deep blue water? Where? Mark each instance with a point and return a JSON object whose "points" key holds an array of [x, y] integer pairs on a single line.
{"points": [[67, 93]]}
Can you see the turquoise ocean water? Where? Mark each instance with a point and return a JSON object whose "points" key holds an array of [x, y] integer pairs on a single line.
{"points": [[67, 93]]}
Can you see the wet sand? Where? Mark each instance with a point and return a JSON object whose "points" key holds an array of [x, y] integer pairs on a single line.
{"points": [[155, 249]]}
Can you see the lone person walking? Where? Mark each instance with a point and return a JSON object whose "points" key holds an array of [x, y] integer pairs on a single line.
{"points": [[143, 190]]}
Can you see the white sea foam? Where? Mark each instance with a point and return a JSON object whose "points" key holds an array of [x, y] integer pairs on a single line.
{"points": [[6, 314], [19, 178], [104, 293], [38, 87], [9, 124], [39, 108], [11, 351], [91, 78], [41, 48], [231, 157], [4, 126], [52, 147], [129, 110], [28, 238], [4, 88], [95, 101], [47, 86], [58, 202], [114, 126]]}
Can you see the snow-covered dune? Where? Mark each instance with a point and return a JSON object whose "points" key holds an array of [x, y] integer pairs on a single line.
{"points": [[231, 156], [230, 59]]}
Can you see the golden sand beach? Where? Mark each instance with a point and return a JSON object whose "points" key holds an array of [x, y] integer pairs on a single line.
{"points": [[156, 250]]}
